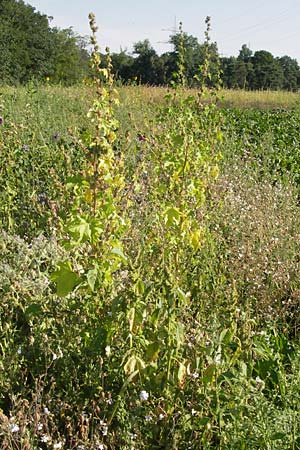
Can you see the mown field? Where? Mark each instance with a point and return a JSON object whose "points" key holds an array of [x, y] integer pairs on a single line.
{"points": [[149, 269]]}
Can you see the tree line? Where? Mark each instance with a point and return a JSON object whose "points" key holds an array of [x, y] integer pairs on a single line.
{"points": [[252, 71], [31, 49]]}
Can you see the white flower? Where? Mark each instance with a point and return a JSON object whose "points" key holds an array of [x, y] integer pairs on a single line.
{"points": [[45, 438], [56, 356], [144, 396], [161, 416], [148, 418], [194, 412], [101, 447], [46, 411], [105, 430], [107, 350], [13, 427], [39, 426], [57, 445], [133, 436], [218, 358]]}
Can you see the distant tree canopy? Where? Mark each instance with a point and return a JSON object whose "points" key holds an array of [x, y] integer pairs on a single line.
{"points": [[31, 49], [258, 71]]}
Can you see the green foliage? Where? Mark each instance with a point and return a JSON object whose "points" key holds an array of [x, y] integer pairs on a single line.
{"points": [[30, 49], [160, 307]]}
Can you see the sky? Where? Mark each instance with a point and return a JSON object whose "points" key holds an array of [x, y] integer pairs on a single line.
{"points": [[272, 25]]}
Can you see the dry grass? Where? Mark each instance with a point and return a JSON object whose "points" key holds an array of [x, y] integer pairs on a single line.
{"points": [[231, 98]]}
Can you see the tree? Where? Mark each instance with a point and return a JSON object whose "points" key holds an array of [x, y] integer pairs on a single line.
{"points": [[245, 54], [122, 65], [24, 37], [69, 57], [291, 73], [30, 48], [228, 67], [268, 73], [146, 62]]}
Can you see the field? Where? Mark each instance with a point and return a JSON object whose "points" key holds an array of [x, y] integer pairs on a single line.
{"points": [[149, 269]]}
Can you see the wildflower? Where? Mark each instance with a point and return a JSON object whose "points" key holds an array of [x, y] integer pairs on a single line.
{"points": [[148, 418], [218, 358], [25, 148], [46, 411], [57, 356], [161, 416], [45, 438], [14, 428], [141, 137], [100, 447], [144, 396], [1, 120], [194, 412], [57, 445], [105, 430], [133, 436], [258, 380], [39, 426]]}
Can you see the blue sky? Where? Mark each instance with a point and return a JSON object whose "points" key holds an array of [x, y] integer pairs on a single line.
{"points": [[272, 25]]}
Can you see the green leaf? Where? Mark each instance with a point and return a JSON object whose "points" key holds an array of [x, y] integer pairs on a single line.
{"points": [[33, 310], [183, 296], [134, 362], [131, 316], [116, 251], [152, 351], [209, 373], [139, 287], [278, 436], [65, 279], [172, 216], [197, 238], [92, 276], [178, 140], [80, 229], [225, 336], [181, 374]]}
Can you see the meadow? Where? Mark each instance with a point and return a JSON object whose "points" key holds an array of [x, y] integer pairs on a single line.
{"points": [[149, 268]]}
